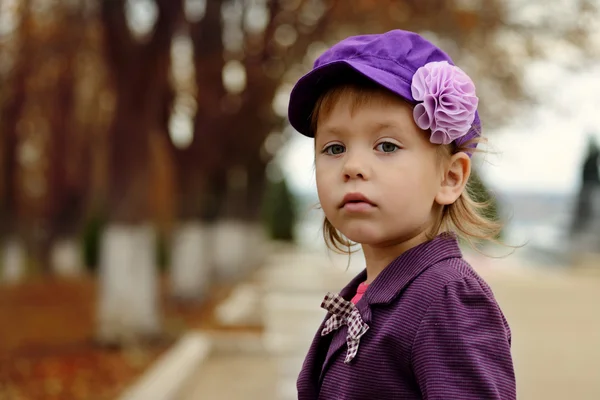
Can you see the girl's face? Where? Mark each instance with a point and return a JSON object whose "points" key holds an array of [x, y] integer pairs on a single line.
{"points": [[377, 173]]}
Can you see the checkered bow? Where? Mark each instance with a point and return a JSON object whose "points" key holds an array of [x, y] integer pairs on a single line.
{"points": [[344, 313]]}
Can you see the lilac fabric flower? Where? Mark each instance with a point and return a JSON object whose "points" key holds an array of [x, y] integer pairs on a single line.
{"points": [[447, 101]]}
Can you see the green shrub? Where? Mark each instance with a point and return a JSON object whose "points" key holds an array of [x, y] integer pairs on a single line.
{"points": [[92, 231], [279, 211]]}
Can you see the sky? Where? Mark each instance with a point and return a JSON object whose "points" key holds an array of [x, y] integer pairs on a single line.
{"points": [[540, 152]]}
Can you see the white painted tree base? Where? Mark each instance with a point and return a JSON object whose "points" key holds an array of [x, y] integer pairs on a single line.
{"points": [[128, 297], [191, 264], [12, 268], [230, 249], [257, 245], [65, 258]]}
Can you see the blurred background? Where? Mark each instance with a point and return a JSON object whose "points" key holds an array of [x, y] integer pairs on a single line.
{"points": [[150, 186]]}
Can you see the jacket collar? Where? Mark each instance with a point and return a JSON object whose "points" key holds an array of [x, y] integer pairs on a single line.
{"points": [[400, 272], [384, 289]]}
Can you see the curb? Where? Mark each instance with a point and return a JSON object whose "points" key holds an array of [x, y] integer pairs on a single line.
{"points": [[169, 375]]}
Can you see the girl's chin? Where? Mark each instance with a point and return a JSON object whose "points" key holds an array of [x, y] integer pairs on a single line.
{"points": [[364, 238], [372, 237]]}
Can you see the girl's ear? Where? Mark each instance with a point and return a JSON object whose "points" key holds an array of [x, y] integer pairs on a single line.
{"points": [[454, 181]]}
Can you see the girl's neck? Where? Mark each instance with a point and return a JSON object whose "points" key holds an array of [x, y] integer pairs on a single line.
{"points": [[378, 257]]}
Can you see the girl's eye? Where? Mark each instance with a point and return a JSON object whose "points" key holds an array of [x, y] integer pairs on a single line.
{"points": [[387, 147], [334, 149]]}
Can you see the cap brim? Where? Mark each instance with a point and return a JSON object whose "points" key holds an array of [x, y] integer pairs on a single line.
{"points": [[311, 86]]}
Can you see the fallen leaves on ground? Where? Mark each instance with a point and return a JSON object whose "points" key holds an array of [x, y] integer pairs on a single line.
{"points": [[47, 349]]}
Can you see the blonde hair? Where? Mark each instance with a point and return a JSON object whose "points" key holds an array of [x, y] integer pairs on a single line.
{"points": [[468, 218]]}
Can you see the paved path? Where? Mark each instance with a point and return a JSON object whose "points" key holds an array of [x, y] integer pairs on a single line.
{"points": [[230, 377], [555, 321]]}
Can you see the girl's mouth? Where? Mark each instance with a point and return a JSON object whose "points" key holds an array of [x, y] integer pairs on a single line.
{"points": [[356, 202]]}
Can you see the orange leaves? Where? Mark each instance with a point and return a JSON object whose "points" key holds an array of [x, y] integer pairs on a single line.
{"points": [[47, 349], [87, 372]]}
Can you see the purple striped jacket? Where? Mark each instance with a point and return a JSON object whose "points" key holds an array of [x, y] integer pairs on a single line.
{"points": [[436, 332]]}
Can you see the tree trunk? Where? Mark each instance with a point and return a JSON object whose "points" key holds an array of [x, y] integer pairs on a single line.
{"points": [[69, 155], [12, 265], [129, 306], [257, 246], [11, 243], [199, 168], [191, 260], [191, 244], [13, 260]]}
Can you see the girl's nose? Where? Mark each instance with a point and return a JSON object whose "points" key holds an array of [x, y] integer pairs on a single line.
{"points": [[354, 168]]}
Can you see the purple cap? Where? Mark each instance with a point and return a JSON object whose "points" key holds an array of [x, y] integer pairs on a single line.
{"points": [[390, 60]]}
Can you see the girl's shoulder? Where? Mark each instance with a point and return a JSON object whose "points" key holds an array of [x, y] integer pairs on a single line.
{"points": [[445, 294], [440, 274], [450, 275]]}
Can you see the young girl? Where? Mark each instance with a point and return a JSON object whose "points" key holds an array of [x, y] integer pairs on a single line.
{"points": [[395, 124]]}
